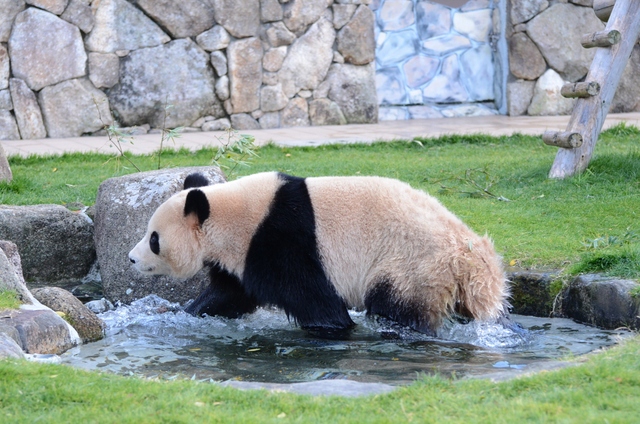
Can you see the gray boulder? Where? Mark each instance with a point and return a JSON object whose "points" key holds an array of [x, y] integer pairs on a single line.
{"points": [[547, 99], [270, 11], [27, 110], [54, 6], [325, 112], [176, 74], [519, 95], [523, 10], [9, 348], [5, 100], [299, 14], [244, 121], [353, 89], [56, 245], [296, 113], [11, 272], [5, 169], [217, 38], [568, 23], [245, 74], [73, 108], [8, 11], [525, 60], [79, 13], [186, 18], [121, 26], [300, 73], [278, 35], [123, 208], [37, 329], [356, 40], [602, 301], [45, 49], [240, 17], [8, 126], [89, 327], [104, 69], [5, 71]]}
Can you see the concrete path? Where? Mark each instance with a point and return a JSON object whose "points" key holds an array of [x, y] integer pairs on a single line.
{"points": [[311, 136]]}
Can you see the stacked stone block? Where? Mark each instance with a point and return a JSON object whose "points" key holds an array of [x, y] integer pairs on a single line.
{"points": [[545, 52], [69, 67]]}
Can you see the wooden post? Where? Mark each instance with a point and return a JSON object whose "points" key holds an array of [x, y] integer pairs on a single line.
{"points": [[600, 39], [580, 89], [568, 140], [606, 69], [603, 9]]}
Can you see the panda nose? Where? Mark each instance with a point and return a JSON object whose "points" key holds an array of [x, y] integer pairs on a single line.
{"points": [[133, 261]]}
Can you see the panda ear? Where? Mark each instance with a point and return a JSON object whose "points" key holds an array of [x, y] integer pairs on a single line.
{"points": [[195, 180], [198, 205]]}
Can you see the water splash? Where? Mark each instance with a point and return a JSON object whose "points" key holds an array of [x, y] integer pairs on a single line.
{"points": [[156, 338]]}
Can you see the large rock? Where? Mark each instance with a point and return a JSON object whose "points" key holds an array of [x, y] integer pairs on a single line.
{"points": [[627, 97], [122, 211], [300, 73], [89, 327], [217, 38], [296, 113], [37, 330], [270, 11], [8, 126], [104, 69], [531, 293], [523, 10], [353, 89], [186, 18], [121, 26], [5, 169], [79, 13], [45, 49], [557, 32], [356, 40], [299, 14], [56, 245], [27, 110], [245, 73], [272, 98], [11, 277], [278, 35], [601, 301], [547, 99], [240, 17], [519, 95], [73, 108], [525, 60], [325, 112], [53, 6], [9, 348], [8, 11], [176, 74], [4, 67]]}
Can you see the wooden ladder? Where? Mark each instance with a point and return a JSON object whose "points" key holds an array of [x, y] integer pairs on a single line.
{"points": [[614, 47]]}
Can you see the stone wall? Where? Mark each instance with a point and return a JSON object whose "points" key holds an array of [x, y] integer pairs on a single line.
{"points": [[545, 52], [201, 64], [433, 60]]}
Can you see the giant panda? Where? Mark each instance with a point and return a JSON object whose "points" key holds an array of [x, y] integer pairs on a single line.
{"points": [[316, 247]]}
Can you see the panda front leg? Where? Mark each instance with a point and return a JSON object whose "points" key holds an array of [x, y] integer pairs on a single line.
{"points": [[224, 297]]}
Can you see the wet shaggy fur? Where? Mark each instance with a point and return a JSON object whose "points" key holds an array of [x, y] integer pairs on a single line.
{"points": [[317, 246]]}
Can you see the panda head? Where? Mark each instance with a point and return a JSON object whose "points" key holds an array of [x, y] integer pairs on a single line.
{"points": [[172, 243]]}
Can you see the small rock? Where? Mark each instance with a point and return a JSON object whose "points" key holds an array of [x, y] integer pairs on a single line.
{"points": [[8, 11], [278, 35], [245, 74], [217, 38], [5, 71], [325, 112], [270, 120], [5, 100], [295, 113], [240, 17], [219, 63], [244, 121], [216, 125], [270, 11], [9, 348], [186, 18], [99, 306], [519, 95], [222, 88], [27, 110], [87, 324], [547, 99], [356, 40], [8, 126], [79, 13], [54, 6], [5, 169]]}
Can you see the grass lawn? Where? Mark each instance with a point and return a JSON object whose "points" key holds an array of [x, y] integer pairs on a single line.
{"points": [[498, 186]]}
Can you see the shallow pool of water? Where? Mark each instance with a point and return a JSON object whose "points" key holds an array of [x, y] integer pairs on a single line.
{"points": [[155, 338]]}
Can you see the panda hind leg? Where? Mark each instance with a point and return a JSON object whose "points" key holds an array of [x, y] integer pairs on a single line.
{"points": [[224, 296], [382, 300]]}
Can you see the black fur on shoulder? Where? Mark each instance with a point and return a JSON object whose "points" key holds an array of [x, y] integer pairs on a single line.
{"points": [[197, 203], [283, 266], [195, 180]]}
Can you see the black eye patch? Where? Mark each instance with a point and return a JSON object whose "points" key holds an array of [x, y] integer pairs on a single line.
{"points": [[154, 243]]}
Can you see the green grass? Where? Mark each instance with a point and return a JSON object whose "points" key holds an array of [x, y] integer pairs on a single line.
{"points": [[586, 220], [545, 224], [604, 389], [9, 299]]}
